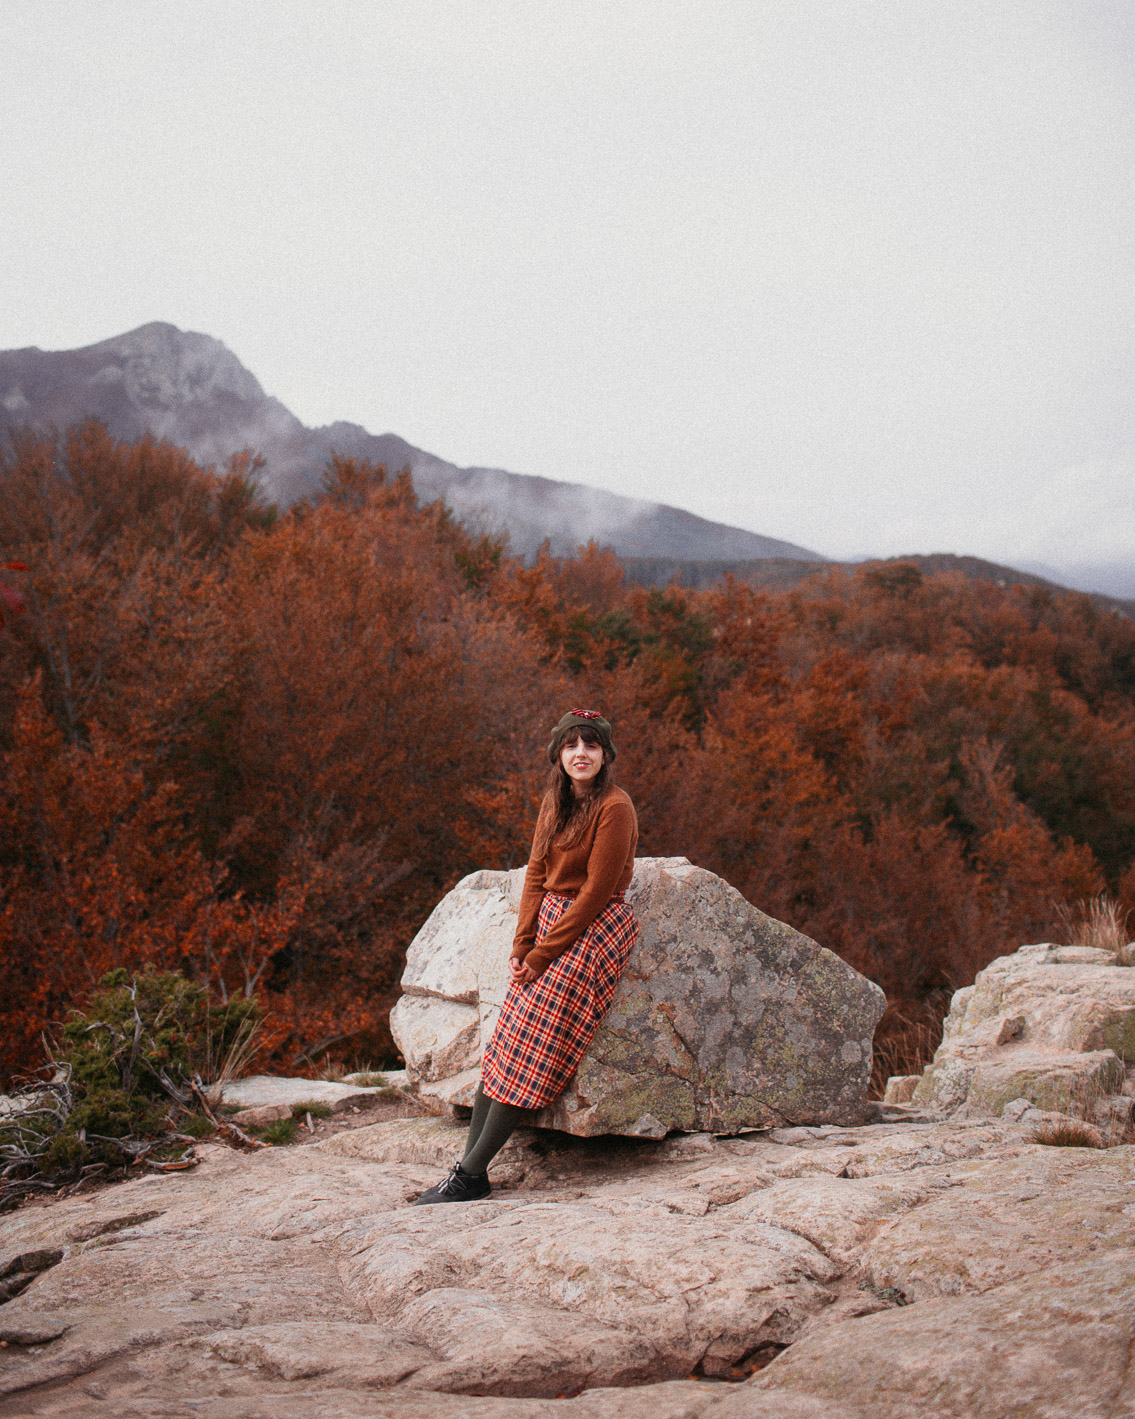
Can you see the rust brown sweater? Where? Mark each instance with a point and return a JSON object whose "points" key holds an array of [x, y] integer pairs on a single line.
{"points": [[592, 870]]}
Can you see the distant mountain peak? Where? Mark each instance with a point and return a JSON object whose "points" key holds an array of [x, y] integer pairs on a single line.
{"points": [[161, 365]]}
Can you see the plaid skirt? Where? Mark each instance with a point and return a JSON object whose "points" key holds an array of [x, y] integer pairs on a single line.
{"points": [[545, 1027]]}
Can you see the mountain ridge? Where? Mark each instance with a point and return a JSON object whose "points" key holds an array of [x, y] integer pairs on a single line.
{"points": [[189, 388], [782, 574]]}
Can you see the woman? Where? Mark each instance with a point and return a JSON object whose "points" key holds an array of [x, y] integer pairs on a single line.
{"points": [[572, 941]]}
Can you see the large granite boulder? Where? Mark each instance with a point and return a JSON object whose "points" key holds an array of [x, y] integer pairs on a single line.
{"points": [[1047, 1030], [725, 1018]]}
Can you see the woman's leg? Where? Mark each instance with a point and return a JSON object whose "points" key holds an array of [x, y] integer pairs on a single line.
{"points": [[481, 1102], [490, 1128], [500, 1123]]}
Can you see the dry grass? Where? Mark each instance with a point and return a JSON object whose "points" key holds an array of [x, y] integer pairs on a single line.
{"points": [[1089, 1122], [902, 1046], [1068, 1133], [1099, 922], [231, 1063], [335, 1071]]}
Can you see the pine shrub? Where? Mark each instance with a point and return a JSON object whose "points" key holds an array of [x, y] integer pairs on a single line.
{"points": [[126, 1075]]}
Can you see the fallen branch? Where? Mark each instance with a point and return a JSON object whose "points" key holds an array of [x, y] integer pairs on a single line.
{"points": [[179, 1165]]}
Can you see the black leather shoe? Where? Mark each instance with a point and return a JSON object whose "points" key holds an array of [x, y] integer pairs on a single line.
{"points": [[459, 1186]]}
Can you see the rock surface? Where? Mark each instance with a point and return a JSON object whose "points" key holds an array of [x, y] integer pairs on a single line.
{"points": [[263, 1098], [261, 1090], [1048, 1032], [725, 1018], [942, 1269]]}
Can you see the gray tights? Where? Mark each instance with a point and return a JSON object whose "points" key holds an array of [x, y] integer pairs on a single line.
{"points": [[490, 1128]]}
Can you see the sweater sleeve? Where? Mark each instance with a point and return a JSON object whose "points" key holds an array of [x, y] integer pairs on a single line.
{"points": [[531, 897], [615, 835]]}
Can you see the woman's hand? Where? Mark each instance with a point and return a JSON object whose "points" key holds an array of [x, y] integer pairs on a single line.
{"points": [[522, 974]]}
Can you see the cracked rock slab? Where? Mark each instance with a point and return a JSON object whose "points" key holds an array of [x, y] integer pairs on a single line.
{"points": [[1050, 1346], [652, 1296], [343, 1353], [299, 1283], [988, 1223]]}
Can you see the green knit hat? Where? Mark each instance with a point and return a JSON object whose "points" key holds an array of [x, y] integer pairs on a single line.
{"points": [[581, 719]]}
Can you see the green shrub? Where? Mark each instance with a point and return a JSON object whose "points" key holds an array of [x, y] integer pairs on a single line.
{"points": [[123, 1075], [316, 1110], [282, 1131]]}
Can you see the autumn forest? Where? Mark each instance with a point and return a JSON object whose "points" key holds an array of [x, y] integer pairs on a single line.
{"points": [[258, 747]]}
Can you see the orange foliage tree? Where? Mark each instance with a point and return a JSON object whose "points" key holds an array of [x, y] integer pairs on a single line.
{"points": [[259, 747]]}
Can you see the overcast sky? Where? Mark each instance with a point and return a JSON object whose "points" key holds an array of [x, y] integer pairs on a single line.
{"points": [[856, 275]]}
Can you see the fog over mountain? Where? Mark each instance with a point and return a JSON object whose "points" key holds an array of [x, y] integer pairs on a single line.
{"points": [[191, 389]]}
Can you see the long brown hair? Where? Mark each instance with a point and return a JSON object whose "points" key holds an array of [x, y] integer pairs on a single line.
{"points": [[563, 816]]}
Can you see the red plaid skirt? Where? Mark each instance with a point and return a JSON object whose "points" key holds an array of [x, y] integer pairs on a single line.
{"points": [[545, 1027]]}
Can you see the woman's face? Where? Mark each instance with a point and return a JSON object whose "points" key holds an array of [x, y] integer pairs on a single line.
{"points": [[581, 761]]}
